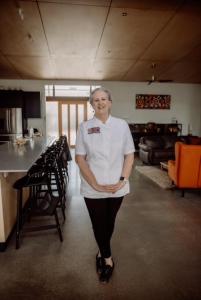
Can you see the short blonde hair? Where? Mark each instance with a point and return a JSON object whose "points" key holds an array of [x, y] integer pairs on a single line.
{"points": [[100, 89]]}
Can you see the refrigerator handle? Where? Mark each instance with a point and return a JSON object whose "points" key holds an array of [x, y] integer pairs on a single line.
{"points": [[9, 120]]}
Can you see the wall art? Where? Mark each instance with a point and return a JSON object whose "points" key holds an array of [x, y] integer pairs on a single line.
{"points": [[146, 101]]}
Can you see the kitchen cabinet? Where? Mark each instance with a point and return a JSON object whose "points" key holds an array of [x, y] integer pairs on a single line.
{"points": [[10, 98], [28, 101], [32, 104]]}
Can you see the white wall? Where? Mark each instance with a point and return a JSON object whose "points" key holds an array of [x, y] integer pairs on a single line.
{"points": [[185, 101]]}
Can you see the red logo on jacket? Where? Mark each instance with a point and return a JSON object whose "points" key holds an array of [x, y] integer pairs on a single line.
{"points": [[94, 130]]}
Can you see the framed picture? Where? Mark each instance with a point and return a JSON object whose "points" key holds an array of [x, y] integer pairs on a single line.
{"points": [[146, 101]]}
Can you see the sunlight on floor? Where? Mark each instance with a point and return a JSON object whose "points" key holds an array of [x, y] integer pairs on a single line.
{"points": [[74, 176]]}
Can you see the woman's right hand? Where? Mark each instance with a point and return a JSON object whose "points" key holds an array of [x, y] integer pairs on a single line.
{"points": [[104, 188], [98, 187]]}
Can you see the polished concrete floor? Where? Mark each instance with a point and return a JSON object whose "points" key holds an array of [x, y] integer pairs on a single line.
{"points": [[156, 248]]}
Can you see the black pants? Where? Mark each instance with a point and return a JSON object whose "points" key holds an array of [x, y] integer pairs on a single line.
{"points": [[103, 213]]}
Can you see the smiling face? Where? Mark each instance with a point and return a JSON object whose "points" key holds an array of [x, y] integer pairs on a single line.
{"points": [[101, 104]]}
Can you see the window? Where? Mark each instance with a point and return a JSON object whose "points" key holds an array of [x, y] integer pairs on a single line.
{"points": [[69, 90], [53, 119]]}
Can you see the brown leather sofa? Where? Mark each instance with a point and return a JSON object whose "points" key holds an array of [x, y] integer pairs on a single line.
{"points": [[155, 149]]}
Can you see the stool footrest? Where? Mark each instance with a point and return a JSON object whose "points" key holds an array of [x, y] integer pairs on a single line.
{"points": [[41, 227]]}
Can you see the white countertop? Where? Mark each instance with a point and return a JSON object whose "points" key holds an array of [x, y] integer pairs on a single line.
{"points": [[15, 158]]}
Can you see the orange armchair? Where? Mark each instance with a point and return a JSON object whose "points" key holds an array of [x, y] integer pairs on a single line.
{"points": [[185, 171]]}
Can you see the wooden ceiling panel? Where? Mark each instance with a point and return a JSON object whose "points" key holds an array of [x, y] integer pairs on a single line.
{"points": [[73, 29], [177, 39], [147, 4], [111, 69], [195, 77], [73, 67], [77, 68], [21, 36], [126, 37], [190, 6], [81, 2], [78, 39], [194, 55], [143, 70], [183, 71], [32, 67], [6, 69]]}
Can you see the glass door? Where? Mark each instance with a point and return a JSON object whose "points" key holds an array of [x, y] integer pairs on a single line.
{"points": [[64, 115], [71, 114]]}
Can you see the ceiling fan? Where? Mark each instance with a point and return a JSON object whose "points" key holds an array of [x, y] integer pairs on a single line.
{"points": [[154, 78]]}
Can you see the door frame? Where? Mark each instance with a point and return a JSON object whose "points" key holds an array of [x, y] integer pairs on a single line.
{"points": [[68, 100]]}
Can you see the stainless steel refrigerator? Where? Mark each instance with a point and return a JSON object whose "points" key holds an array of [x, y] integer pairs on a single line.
{"points": [[10, 123]]}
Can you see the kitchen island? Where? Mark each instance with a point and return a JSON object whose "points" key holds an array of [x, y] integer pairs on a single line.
{"points": [[15, 161]]}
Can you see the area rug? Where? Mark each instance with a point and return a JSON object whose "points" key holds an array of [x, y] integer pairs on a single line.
{"points": [[155, 174]]}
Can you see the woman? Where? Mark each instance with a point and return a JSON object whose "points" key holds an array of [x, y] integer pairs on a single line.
{"points": [[105, 154]]}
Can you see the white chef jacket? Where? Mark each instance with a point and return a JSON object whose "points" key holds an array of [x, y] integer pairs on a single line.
{"points": [[104, 145]]}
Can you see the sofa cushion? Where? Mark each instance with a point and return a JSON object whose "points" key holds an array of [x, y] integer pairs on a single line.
{"points": [[163, 154], [154, 142], [169, 141]]}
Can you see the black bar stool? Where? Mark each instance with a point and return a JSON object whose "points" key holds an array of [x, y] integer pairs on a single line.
{"points": [[51, 160], [39, 203]]}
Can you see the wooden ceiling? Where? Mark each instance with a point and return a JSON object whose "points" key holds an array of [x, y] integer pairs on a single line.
{"points": [[101, 40]]}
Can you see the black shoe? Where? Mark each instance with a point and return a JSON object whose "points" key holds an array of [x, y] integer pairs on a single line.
{"points": [[100, 263], [106, 273]]}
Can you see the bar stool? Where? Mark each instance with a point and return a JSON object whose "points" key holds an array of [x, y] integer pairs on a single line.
{"points": [[57, 183], [39, 202], [66, 155], [52, 161]]}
